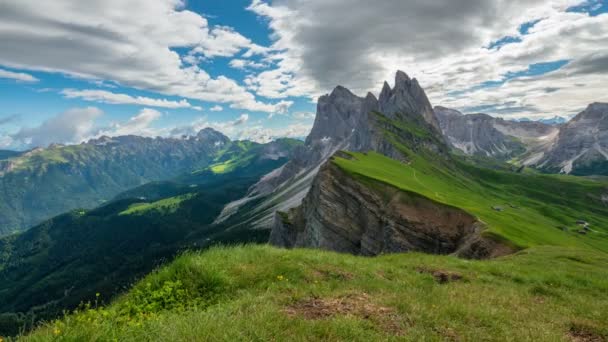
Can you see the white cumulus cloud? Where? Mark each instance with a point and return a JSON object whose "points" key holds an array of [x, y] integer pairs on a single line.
{"points": [[18, 76], [71, 126], [441, 43], [136, 125], [115, 98], [128, 42]]}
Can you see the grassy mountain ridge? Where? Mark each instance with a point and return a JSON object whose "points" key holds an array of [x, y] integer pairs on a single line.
{"points": [[525, 209]]}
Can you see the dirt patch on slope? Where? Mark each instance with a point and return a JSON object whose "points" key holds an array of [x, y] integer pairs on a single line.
{"points": [[359, 305], [328, 274], [441, 276], [581, 332]]}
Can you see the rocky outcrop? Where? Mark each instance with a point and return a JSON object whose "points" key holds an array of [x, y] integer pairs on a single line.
{"points": [[581, 148], [343, 214], [344, 121], [484, 135]]}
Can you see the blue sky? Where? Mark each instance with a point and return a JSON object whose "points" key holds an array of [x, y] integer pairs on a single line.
{"points": [[253, 68], [30, 103]]}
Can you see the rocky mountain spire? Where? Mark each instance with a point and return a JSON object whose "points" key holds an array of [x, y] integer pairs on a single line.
{"points": [[406, 97], [337, 115]]}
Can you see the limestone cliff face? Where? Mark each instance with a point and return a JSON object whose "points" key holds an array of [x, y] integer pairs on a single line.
{"points": [[343, 214]]}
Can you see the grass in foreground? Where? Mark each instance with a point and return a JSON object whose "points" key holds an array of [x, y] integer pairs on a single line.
{"points": [[533, 209], [264, 293]]}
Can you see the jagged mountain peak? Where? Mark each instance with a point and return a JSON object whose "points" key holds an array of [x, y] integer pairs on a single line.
{"points": [[341, 91], [406, 97], [370, 96], [594, 111], [341, 113], [209, 134], [208, 131], [386, 91], [598, 105], [401, 77]]}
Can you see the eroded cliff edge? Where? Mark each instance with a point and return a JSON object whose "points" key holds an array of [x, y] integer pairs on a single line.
{"points": [[357, 215]]}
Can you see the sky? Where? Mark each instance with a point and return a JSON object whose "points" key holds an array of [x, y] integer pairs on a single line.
{"points": [[73, 70]]}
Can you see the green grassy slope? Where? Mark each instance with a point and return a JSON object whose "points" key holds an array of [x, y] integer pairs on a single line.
{"points": [[243, 157], [164, 206], [262, 293], [536, 207]]}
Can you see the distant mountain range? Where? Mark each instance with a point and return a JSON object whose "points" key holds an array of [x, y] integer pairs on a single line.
{"points": [[577, 147], [487, 136], [45, 182], [581, 147], [556, 120]]}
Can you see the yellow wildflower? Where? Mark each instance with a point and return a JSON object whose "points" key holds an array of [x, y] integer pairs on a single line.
{"points": [[280, 277], [56, 331]]}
